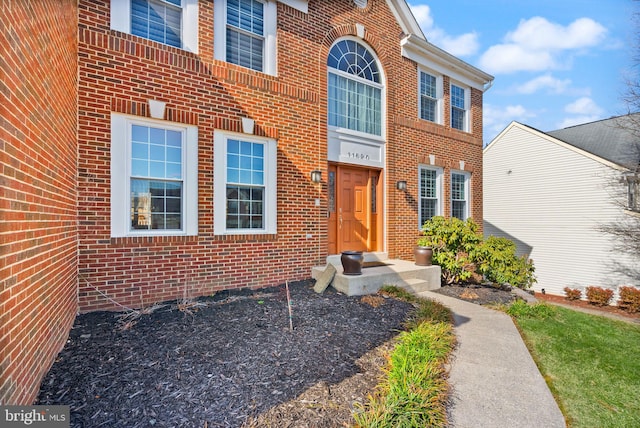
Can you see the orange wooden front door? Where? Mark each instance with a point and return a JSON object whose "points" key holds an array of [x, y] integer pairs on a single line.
{"points": [[353, 217]]}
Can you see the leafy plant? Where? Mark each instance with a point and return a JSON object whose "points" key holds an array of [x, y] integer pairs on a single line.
{"points": [[521, 309], [572, 293], [452, 241], [629, 299], [599, 296], [496, 260], [460, 251]]}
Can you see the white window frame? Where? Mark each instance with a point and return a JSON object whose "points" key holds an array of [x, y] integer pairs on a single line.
{"points": [[269, 65], [466, 127], [337, 133], [439, 173], [121, 21], [270, 210], [467, 192], [439, 94], [121, 176]]}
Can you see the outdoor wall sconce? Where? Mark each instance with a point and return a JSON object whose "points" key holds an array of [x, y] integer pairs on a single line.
{"points": [[401, 185], [316, 176]]}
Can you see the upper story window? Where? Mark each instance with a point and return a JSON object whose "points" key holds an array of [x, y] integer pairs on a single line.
{"points": [[430, 97], [171, 22], [355, 88], [245, 33], [154, 187], [430, 193], [459, 108], [460, 195]]}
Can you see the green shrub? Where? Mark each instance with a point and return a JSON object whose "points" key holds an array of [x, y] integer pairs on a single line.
{"points": [[599, 296], [460, 251], [572, 293], [496, 260], [452, 241], [629, 299], [521, 309]]}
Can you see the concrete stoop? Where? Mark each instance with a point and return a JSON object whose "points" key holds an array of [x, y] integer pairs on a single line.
{"points": [[401, 273]]}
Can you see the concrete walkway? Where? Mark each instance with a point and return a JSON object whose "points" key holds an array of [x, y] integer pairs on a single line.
{"points": [[495, 382]]}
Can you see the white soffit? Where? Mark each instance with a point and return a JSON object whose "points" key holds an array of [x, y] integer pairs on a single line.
{"points": [[436, 59]]}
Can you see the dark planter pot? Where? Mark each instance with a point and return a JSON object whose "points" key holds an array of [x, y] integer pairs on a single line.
{"points": [[423, 255], [352, 262]]}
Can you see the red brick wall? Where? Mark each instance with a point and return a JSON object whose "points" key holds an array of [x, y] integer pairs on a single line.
{"points": [[120, 72], [38, 233]]}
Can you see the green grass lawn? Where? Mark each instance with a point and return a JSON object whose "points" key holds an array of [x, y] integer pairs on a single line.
{"points": [[591, 363]]}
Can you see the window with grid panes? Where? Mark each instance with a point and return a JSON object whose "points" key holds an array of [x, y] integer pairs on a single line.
{"points": [[458, 108], [428, 97], [429, 194], [245, 33], [355, 88], [153, 177], [459, 195]]}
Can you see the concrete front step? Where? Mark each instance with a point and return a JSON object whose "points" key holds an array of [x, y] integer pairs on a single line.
{"points": [[400, 273]]}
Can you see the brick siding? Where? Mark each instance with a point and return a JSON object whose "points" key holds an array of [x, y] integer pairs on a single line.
{"points": [[122, 70], [56, 181], [38, 233]]}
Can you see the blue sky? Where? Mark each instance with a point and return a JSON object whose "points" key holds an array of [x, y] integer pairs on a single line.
{"points": [[556, 63]]}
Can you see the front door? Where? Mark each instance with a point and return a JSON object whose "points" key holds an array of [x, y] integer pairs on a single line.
{"points": [[353, 213]]}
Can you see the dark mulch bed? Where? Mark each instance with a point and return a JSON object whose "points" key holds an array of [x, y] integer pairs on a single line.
{"points": [[233, 361], [479, 294]]}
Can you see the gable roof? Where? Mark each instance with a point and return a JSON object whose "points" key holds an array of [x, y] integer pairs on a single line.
{"points": [[616, 139]]}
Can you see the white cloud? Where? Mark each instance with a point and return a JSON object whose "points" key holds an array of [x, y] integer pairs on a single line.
{"points": [[495, 119], [537, 45], [545, 81], [584, 106], [539, 34], [422, 13], [511, 58], [461, 45], [585, 111]]}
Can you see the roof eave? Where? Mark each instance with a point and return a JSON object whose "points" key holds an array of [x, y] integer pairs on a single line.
{"points": [[425, 53]]}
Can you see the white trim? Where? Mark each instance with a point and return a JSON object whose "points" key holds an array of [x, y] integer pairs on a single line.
{"points": [[270, 211], [439, 95], [121, 21], [121, 172], [467, 192], [270, 53], [335, 134], [467, 126], [439, 201], [405, 18], [434, 58]]}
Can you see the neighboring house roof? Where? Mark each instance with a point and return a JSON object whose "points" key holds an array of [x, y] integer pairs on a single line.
{"points": [[616, 139]]}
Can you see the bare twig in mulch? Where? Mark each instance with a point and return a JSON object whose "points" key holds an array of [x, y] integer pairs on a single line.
{"points": [[232, 362]]}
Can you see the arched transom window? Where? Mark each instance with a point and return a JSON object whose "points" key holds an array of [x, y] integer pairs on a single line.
{"points": [[355, 88]]}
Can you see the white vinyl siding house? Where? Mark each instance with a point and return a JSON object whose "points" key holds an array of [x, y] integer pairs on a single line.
{"points": [[550, 198]]}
